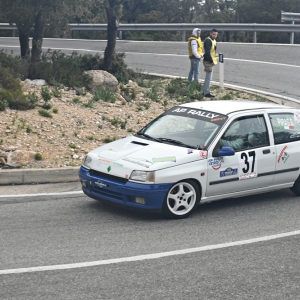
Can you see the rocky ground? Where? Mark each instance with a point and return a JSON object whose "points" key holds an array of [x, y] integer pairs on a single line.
{"points": [[75, 129]]}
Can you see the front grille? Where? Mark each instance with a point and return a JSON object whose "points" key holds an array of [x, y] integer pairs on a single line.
{"points": [[108, 193], [108, 176]]}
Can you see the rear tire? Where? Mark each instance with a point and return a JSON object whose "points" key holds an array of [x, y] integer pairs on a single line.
{"points": [[182, 199], [296, 187]]}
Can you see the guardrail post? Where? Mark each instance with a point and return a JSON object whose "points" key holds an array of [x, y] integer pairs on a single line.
{"points": [[254, 37], [120, 34], [292, 35], [221, 70], [183, 36]]}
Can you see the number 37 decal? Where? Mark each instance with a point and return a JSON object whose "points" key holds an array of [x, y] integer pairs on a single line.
{"points": [[247, 166]]}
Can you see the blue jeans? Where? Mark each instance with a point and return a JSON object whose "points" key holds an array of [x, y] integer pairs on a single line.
{"points": [[208, 78], [194, 71]]}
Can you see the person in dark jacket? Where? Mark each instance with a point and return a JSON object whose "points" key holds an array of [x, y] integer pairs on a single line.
{"points": [[209, 60]]}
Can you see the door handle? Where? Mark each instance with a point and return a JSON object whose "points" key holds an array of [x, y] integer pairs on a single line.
{"points": [[266, 151]]}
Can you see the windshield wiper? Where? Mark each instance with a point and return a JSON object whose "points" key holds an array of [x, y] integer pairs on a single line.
{"points": [[148, 137], [177, 143]]}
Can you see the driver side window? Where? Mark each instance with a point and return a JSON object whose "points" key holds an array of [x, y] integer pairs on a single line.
{"points": [[246, 133]]}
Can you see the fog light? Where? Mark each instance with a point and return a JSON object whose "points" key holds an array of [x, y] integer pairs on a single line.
{"points": [[83, 183], [140, 200]]}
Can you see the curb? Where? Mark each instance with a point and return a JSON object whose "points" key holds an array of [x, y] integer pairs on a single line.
{"points": [[38, 176]]}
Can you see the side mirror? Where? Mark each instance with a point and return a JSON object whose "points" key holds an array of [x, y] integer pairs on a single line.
{"points": [[226, 151]]}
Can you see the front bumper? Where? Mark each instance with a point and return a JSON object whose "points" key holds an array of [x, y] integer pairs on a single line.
{"points": [[121, 191]]}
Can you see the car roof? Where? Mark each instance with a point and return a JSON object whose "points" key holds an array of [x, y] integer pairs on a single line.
{"points": [[226, 107]]}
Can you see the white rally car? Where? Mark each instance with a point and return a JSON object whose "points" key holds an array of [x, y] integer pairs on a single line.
{"points": [[198, 152]]}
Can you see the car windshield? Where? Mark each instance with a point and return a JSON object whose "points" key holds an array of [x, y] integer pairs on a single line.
{"points": [[184, 127]]}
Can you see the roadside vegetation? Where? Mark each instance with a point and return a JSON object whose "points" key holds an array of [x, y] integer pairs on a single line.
{"points": [[60, 70]]}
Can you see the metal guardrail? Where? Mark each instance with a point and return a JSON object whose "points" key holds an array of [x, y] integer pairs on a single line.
{"points": [[291, 28], [292, 17]]}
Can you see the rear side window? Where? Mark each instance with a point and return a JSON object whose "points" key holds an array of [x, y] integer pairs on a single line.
{"points": [[286, 127]]}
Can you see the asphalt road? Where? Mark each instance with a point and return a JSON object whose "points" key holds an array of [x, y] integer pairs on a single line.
{"points": [[71, 247], [271, 68], [68, 229]]}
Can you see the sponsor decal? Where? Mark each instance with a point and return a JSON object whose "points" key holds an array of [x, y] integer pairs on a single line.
{"points": [[163, 159], [286, 127], [105, 160], [248, 176], [189, 151], [297, 117], [203, 153], [216, 162], [100, 184], [281, 153], [285, 123], [139, 161], [228, 172], [193, 112], [295, 135], [126, 176], [218, 119], [285, 157], [108, 169], [117, 164]]}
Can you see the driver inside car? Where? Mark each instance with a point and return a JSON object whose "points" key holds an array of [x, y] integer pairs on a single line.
{"points": [[232, 137]]}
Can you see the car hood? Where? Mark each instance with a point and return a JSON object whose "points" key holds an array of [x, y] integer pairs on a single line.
{"points": [[123, 156]]}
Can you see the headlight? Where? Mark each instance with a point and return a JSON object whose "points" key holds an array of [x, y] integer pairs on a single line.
{"points": [[143, 176], [87, 162]]}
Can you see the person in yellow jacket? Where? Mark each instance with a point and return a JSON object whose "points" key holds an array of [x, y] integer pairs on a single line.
{"points": [[195, 54], [209, 60]]}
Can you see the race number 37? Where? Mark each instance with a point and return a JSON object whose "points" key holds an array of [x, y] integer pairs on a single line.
{"points": [[247, 166]]}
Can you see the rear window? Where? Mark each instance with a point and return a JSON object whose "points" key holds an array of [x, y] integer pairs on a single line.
{"points": [[286, 127]]}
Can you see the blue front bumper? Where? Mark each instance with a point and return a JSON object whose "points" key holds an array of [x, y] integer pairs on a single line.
{"points": [[121, 191]]}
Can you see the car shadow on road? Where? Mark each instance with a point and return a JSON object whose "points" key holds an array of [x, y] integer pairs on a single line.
{"points": [[269, 201]]}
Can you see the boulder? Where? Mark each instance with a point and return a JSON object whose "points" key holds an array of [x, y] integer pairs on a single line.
{"points": [[102, 78], [20, 158], [37, 82]]}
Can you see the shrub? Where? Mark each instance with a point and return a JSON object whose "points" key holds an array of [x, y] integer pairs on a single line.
{"points": [[38, 156], [3, 105], [109, 139], [105, 94], [55, 110], [16, 65], [33, 99], [11, 92], [47, 106], [46, 94], [59, 68], [45, 113], [76, 100], [56, 92], [15, 99], [73, 146], [185, 90], [90, 103], [90, 137]]}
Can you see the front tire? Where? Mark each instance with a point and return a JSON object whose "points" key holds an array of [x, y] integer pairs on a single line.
{"points": [[182, 199], [296, 187]]}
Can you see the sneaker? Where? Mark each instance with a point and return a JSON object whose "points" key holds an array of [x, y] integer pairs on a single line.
{"points": [[209, 95]]}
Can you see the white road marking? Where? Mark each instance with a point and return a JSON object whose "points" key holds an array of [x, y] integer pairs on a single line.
{"points": [[147, 256]]}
